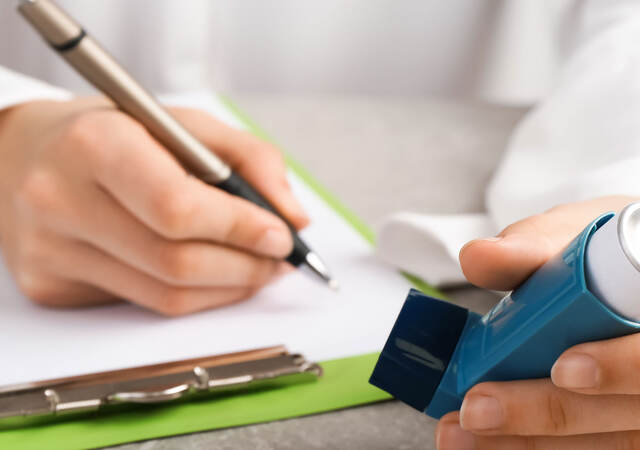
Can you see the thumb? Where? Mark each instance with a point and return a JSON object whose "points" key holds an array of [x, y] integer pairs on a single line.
{"points": [[504, 262]]}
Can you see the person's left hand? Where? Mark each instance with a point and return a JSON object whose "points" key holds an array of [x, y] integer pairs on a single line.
{"points": [[591, 401]]}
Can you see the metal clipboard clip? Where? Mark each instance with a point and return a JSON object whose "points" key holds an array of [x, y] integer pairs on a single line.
{"points": [[154, 383]]}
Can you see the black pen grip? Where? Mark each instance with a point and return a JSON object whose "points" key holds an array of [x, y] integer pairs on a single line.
{"points": [[237, 185]]}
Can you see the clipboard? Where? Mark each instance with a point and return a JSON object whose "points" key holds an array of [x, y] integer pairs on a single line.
{"points": [[37, 402], [343, 384]]}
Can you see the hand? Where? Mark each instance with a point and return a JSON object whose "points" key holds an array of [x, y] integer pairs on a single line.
{"points": [[93, 209], [591, 401]]}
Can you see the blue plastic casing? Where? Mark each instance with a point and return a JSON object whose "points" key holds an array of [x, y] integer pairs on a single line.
{"points": [[437, 351]]}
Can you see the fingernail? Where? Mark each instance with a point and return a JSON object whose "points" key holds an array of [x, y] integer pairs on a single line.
{"points": [[452, 437], [480, 412], [274, 243], [488, 239], [575, 371]]}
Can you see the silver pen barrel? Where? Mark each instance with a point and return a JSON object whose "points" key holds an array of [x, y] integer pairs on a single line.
{"points": [[83, 53]]}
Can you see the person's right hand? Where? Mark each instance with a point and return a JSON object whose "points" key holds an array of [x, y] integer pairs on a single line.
{"points": [[93, 209], [591, 400]]}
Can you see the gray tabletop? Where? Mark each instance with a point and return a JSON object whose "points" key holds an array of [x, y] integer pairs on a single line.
{"points": [[379, 156]]}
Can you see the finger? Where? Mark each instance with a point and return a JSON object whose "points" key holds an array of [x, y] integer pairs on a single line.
{"points": [[89, 265], [149, 183], [537, 407], [48, 290], [602, 367], [450, 436], [178, 263], [504, 262], [31, 259], [257, 161]]}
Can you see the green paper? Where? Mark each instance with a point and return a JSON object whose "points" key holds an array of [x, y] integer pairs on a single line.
{"points": [[344, 384]]}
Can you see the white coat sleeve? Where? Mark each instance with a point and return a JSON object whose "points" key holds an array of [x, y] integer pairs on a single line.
{"points": [[583, 140], [17, 88]]}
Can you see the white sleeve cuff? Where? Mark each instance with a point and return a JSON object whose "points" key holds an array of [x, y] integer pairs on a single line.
{"points": [[427, 245], [16, 88]]}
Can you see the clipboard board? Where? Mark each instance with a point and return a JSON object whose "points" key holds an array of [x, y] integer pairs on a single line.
{"points": [[343, 384]]}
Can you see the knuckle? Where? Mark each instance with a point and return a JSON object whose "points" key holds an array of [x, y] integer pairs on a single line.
{"points": [[173, 212], [262, 272], [557, 414], [531, 443], [246, 225], [178, 263], [232, 228], [85, 136], [81, 135], [38, 191], [627, 441]]}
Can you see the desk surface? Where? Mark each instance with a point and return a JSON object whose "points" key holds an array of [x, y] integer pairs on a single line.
{"points": [[434, 156]]}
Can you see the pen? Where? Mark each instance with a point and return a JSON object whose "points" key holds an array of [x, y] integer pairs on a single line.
{"points": [[87, 57]]}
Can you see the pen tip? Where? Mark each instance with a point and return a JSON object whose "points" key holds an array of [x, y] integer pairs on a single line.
{"points": [[320, 269]]}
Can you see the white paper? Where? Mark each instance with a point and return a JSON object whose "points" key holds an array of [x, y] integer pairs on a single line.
{"points": [[297, 311]]}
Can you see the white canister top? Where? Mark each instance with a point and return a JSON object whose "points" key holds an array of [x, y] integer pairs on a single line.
{"points": [[612, 263]]}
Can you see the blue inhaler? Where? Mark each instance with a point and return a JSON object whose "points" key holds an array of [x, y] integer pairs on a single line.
{"points": [[591, 291]]}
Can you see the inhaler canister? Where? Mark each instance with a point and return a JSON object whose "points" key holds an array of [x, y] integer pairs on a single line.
{"points": [[612, 263], [437, 351]]}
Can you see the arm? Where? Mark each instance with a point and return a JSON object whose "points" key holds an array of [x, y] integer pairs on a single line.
{"points": [[583, 139]]}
